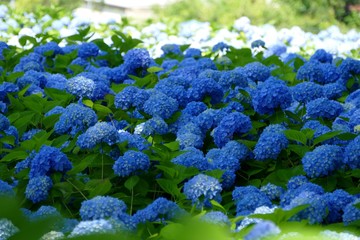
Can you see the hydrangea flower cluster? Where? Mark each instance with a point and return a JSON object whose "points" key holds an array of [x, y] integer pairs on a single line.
{"points": [[131, 163], [74, 119], [271, 95], [201, 189], [323, 160], [101, 132], [102, 208]]}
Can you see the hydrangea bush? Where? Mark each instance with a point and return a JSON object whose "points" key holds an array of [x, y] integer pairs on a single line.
{"points": [[106, 139]]}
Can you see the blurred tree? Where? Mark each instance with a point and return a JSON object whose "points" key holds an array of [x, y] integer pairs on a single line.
{"points": [[31, 5]]}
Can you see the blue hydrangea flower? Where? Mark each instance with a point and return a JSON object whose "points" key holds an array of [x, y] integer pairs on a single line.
{"points": [[7, 229], [57, 81], [270, 95], [307, 91], [47, 48], [6, 88], [80, 86], [171, 49], [296, 181], [216, 217], [256, 71], [292, 193], [55, 110], [315, 213], [270, 145], [43, 212], [4, 122], [324, 108], [322, 56], [219, 159], [233, 78], [354, 121], [351, 213], [322, 161], [134, 140], [349, 67], [248, 198], [38, 188], [76, 118], [192, 158], [311, 71], [333, 90], [336, 202], [32, 77], [131, 163], [49, 158], [188, 139], [160, 105], [102, 207], [6, 189], [124, 99], [178, 92], [29, 134], [233, 123], [86, 50], [331, 73], [201, 189], [159, 210], [220, 46], [3, 107], [263, 229], [257, 43], [352, 153], [236, 149], [92, 227], [272, 191], [119, 74], [206, 87], [137, 58], [101, 132], [194, 108], [192, 53], [155, 125]]}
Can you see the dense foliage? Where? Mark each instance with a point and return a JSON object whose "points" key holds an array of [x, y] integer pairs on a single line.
{"points": [[106, 139]]}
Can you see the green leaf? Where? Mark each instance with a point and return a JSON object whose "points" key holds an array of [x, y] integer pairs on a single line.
{"points": [[347, 136], [218, 205], [83, 163], [295, 136], [299, 149], [131, 182], [98, 187], [154, 69], [326, 136], [88, 102], [170, 187], [172, 231], [15, 155], [102, 109]]}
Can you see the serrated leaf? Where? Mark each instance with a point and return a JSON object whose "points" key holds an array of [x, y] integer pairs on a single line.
{"points": [[295, 136], [131, 182], [102, 109]]}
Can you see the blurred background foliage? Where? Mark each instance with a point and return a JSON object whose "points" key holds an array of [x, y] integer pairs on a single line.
{"points": [[311, 15]]}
